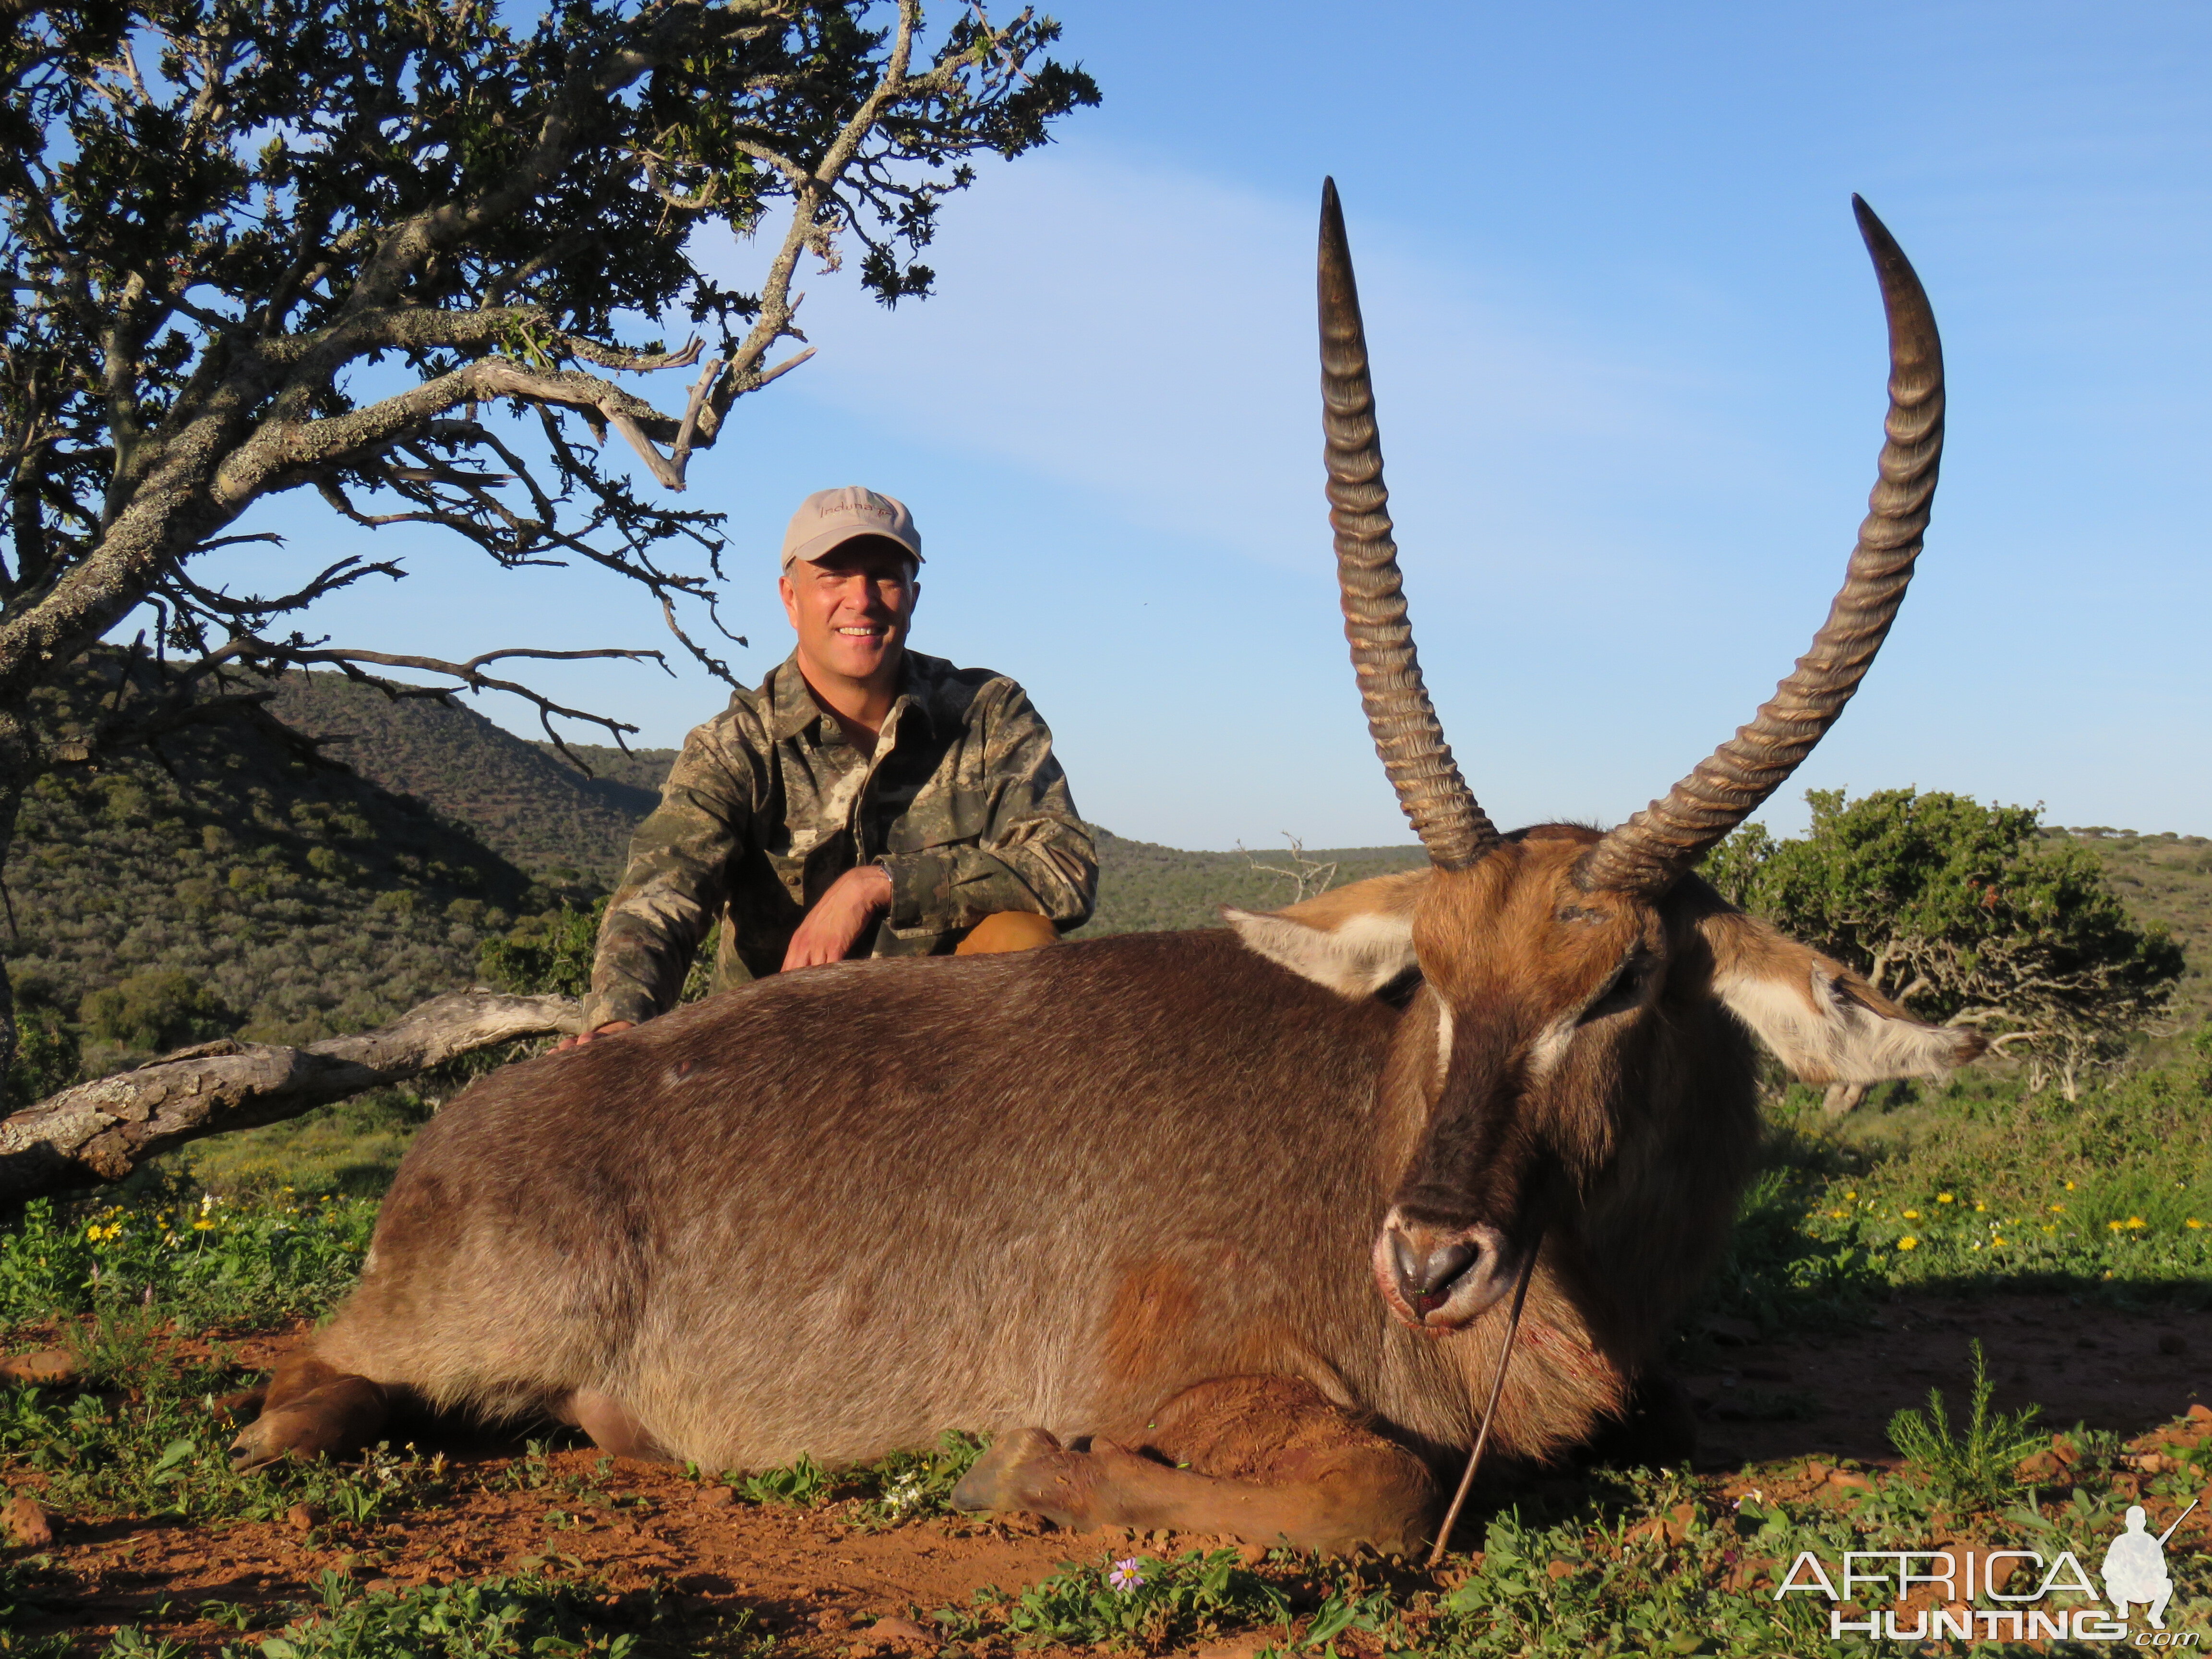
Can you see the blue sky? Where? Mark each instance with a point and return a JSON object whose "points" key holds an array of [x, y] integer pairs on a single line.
{"points": [[1628, 356]]}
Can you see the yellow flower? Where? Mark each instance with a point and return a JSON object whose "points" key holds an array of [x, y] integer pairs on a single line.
{"points": [[201, 1225], [1848, 1196], [1908, 1243], [2058, 1209], [92, 1233], [2049, 1229], [2135, 1223], [1838, 1215], [2192, 1223], [1942, 1198], [1912, 1215], [2113, 1225], [2070, 1186], [1994, 1239], [1979, 1207]]}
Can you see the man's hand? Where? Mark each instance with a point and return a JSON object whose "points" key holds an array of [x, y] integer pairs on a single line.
{"points": [[854, 899], [583, 1038]]}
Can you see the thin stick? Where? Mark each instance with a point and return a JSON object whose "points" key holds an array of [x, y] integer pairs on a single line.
{"points": [[1489, 1411], [2178, 1520]]}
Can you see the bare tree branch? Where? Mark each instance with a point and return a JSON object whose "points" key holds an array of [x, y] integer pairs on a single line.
{"points": [[102, 1131]]}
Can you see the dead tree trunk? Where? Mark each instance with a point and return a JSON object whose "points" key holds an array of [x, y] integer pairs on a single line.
{"points": [[103, 1130]]}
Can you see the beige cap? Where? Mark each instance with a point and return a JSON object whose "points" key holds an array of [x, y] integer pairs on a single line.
{"points": [[829, 518]]}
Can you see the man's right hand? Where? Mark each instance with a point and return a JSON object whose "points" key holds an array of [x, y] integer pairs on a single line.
{"points": [[583, 1038]]}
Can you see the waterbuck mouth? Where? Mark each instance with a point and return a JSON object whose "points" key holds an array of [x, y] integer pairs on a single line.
{"points": [[1441, 1278]]}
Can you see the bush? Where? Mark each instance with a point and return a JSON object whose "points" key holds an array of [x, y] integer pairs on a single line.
{"points": [[164, 1008], [1965, 915]]}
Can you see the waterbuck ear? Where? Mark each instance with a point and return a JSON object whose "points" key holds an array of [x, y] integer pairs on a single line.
{"points": [[1823, 1021], [1356, 940]]}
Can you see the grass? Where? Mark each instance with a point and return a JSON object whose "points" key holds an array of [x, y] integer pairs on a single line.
{"points": [[1977, 1467]]}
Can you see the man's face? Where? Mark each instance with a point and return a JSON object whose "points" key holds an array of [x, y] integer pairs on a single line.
{"points": [[852, 609]]}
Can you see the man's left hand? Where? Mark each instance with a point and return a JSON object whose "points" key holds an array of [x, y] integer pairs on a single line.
{"points": [[839, 916]]}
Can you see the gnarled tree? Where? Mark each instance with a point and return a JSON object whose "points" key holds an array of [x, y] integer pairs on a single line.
{"points": [[399, 255]]}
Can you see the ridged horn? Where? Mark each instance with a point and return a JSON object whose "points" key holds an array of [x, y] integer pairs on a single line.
{"points": [[1654, 847], [1403, 723]]}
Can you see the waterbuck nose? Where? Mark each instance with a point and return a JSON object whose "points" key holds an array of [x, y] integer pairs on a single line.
{"points": [[1429, 1261]]}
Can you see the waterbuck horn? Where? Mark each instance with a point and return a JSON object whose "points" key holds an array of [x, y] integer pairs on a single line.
{"points": [[1407, 734], [1658, 844]]}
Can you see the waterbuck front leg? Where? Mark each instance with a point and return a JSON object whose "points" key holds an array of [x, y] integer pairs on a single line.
{"points": [[1267, 1459], [311, 1408]]}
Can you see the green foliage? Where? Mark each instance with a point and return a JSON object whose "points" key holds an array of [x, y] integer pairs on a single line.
{"points": [[46, 1053], [523, 1616], [548, 954], [1995, 1185], [521, 799], [908, 1486], [1137, 1602], [140, 1440], [1964, 914], [800, 1486], [200, 1259], [1975, 1468], [207, 915], [161, 1009], [349, 1148]]}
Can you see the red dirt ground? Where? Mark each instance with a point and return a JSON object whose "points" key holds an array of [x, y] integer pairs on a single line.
{"points": [[818, 1582]]}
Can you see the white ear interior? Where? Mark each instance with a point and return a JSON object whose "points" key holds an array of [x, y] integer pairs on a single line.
{"points": [[1825, 1033], [1355, 941]]}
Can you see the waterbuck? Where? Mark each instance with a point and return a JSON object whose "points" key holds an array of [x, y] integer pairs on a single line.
{"points": [[1207, 1228]]}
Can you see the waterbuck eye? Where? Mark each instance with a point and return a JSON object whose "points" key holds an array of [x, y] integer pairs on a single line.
{"points": [[1622, 992]]}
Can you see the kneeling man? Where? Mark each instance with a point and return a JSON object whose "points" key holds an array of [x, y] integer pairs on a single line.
{"points": [[866, 801]]}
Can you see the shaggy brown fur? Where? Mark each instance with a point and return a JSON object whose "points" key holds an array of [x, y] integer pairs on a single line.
{"points": [[1135, 1181]]}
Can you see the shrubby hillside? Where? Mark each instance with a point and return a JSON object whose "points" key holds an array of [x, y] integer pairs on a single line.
{"points": [[1143, 886], [231, 885], [2165, 879], [520, 798]]}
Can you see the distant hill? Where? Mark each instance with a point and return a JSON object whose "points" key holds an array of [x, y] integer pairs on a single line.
{"points": [[520, 798], [2165, 879], [1143, 886], [228, 882]]}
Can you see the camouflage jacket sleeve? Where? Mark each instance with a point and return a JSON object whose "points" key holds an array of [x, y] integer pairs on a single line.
{"points": [[676, 883], [1033, 853]]}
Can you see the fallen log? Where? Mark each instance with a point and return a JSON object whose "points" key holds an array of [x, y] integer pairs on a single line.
{"points": [[104, 1129]]}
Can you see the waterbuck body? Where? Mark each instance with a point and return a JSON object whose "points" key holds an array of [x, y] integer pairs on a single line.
{"points": [[1209, 1230]]}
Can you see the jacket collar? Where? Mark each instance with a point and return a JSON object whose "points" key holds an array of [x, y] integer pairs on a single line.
{"points": [[792, 709]]}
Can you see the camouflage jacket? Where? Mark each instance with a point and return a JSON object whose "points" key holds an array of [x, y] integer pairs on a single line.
{"points": [[961, 802]]}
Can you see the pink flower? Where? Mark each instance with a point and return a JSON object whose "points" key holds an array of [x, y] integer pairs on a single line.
{"points": [[1125, 1577]]}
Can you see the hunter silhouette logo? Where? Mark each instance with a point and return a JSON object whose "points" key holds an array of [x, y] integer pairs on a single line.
{"points": [[2134, 1567], [2134, 1572]]}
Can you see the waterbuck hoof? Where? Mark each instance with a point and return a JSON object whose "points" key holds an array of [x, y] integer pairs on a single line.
{"points": [[339, 1417], [1026, 1470]]}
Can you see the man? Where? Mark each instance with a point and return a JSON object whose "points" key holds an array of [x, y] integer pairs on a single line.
{"points": [[866, 800]]}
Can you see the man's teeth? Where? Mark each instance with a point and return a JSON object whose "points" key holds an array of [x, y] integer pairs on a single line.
{"points": [[863, 633]]}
